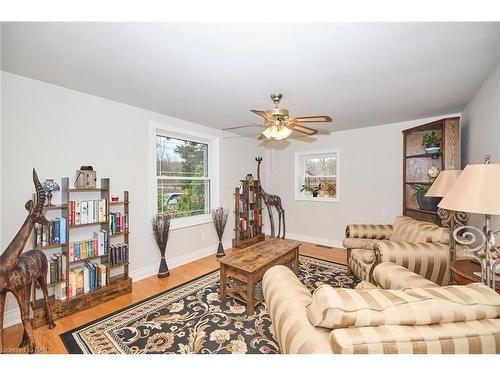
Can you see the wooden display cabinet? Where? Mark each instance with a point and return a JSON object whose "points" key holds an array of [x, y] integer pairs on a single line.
{"points": [[416, 162]]}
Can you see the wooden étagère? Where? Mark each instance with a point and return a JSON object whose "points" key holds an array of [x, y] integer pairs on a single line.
{"points": [[117, 277], [417, 162], [248, 214]]}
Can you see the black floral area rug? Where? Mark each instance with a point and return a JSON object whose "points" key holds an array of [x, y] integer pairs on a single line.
{"points": [[190, 319]]}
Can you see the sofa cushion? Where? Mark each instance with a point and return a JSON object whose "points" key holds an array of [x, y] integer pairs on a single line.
{"points": [[476, 336], [390, 275], [406, 229], [341, 308]]}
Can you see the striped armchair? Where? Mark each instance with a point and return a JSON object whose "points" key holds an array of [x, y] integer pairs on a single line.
{"points": [[419, 246]]}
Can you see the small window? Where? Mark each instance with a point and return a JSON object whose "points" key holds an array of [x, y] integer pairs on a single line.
{"points": [[183, 179], [317, 176]]}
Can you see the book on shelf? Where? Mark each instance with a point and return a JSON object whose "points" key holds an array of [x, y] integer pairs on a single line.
{"points": [[97, 246], [87, 278], [87, 212], [56, 268], [52, 234], [60, 291], [118, 254], [118, 223]]}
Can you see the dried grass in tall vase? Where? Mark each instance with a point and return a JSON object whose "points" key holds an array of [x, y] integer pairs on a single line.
{"points": [[161, 227], [219, 217]]}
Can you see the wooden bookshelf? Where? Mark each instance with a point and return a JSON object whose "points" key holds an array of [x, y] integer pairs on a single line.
{"points": [[248, 209], [116, 285], [416, 162]]}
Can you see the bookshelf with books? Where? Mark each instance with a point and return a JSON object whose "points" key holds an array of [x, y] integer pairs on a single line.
{"points": [[248, 214], [87, 248]]}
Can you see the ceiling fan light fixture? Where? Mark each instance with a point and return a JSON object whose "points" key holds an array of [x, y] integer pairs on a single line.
{"points": [[277, 132]]}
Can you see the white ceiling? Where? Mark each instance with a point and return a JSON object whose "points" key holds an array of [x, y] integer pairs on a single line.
{"points": [[363, 74]]}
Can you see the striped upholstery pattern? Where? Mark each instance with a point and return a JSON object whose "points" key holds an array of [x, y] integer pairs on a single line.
{"points": [[369, 231], [429, 260], [471, 337], [359, 243], [407, 229], [342, 308], [286, 299], [356, 264], [393, 276]]}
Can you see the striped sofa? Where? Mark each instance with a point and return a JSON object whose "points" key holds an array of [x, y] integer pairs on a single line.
{"points": [[421, 318], [419, 246]]}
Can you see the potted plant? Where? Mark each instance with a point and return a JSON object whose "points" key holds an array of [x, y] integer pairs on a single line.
{"points": [[432, 143], [425, 203], [311, 189]]}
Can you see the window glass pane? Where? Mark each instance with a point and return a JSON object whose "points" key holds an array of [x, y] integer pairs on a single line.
{"points": [[321, 166], [182, 198], [181, 158]]}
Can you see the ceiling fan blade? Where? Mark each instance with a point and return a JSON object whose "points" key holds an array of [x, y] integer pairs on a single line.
{"points": [[243, 126], [304, 130], [313, 119], [264, 114]]}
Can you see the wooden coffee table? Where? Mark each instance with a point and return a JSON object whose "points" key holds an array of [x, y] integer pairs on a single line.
{"points": [[249, 264]]}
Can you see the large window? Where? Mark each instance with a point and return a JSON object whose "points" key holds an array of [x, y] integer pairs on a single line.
{"points": [[184, 175], [317, 176]]}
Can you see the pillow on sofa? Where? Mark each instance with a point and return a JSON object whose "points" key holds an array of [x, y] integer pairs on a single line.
{"points": [[341, 308], [407, 229]]}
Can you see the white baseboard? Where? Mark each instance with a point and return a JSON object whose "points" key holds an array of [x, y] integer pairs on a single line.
{"points": [[13, 316], [316, 240], [152, 269]]}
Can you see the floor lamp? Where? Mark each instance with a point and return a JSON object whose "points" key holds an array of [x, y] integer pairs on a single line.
{"points": [[477, 190], [449, 219]]}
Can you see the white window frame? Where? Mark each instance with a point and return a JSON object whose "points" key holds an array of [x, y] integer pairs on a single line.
{"points": [[299, 178], [213, 170]]}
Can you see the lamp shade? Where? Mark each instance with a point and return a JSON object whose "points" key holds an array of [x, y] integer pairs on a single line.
{"points": [[443, 183], [477, 190]]}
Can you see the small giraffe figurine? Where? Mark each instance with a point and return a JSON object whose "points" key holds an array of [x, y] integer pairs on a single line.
{"points": [[271, 200], [19, 271]]}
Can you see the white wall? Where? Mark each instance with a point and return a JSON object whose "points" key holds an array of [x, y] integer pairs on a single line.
{"points": [[57, 130], [481, 129], [369, 182]]}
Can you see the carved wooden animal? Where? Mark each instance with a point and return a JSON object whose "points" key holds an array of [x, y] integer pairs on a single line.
{"points": [[272, 200], [19, 271]]}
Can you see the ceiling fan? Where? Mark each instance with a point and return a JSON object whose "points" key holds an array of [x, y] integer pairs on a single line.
{"points": [[279, 125]]}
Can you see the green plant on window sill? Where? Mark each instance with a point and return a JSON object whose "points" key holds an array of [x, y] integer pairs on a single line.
{"points": [[431, 139], [312, 189], [420, 190]]}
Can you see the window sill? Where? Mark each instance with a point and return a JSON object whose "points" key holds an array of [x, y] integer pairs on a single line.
{"points": [[319, 199], [185, 222]]}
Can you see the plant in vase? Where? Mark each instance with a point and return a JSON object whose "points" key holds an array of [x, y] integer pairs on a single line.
{"points": [[432, 143], [425, 203], [219, 217], [161, 228], [311, 189]]}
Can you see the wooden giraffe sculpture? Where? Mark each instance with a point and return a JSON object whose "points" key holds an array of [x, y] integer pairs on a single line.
{"points": [[271, 201], [19, 271]]}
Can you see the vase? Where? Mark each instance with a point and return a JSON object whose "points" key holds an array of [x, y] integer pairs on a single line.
{"points": [[428, 203], [163, 270]]}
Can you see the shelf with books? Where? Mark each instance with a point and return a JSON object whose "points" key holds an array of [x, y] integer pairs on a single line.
{"points": [[248, 214], [87, 224], [51, 246], [55, 207], [91, 213]]}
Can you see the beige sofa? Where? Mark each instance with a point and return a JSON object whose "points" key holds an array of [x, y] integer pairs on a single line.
{"points": [[419, 246], [470, 325]]}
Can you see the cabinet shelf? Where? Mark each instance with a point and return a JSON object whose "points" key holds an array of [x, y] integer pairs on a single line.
{"points": [[51, 246], [87, 224], [435, 156]]}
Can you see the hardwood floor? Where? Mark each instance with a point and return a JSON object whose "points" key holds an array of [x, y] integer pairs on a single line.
{"points": [[48, 341]]}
